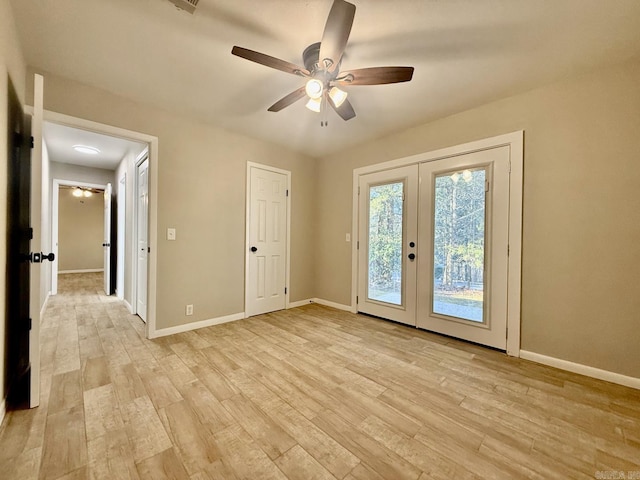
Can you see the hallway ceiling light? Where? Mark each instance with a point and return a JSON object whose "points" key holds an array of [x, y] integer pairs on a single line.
{"points": [[86, 149]]}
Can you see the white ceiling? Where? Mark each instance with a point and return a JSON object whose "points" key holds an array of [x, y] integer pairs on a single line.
{"points": [[60, 140], [465, 53]]}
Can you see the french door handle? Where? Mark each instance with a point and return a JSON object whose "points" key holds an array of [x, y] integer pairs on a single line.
{"points": [[254, 249], [412, 256]]}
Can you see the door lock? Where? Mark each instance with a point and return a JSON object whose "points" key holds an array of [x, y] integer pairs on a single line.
{"points": [[412, 256]]}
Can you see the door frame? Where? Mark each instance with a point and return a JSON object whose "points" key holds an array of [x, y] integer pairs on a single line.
{"points": [[247, 241], [55, 205], [152, 141], [121, 221], [515, 142]]}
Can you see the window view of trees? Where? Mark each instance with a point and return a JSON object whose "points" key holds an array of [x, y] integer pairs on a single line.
{"points": [[459, 234], [385, 243]]}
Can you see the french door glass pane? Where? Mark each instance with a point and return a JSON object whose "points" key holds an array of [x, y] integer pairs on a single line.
{"points": [[385, 243], [458, 245]]}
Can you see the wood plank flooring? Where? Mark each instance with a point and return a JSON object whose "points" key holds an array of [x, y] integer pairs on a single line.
{"points": [[308, 393]]}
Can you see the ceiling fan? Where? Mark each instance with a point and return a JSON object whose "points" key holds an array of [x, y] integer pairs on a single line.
{"points": [[322, 67]]}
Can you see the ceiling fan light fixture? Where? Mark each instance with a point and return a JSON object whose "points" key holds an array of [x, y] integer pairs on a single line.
{"points": [[338, 96], [77, 192], [314, 88], [314, 104], [87, 193]]}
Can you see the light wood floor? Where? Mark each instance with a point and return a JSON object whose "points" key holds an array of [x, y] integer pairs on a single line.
{"points": [[309, 393]]}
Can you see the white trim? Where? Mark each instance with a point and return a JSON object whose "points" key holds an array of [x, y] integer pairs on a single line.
{"points": [[152, 141], [287, 173], [514, 141], [128, 305], [3, 411], [581, 369], [44, 306], [163, 332], [121, 239], [83, 270], [300, 303], [328, 303]]}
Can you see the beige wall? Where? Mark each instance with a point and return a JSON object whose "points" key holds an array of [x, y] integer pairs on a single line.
{"points": [[11, 65], [201, 193], [80, 231], [581, 225]]}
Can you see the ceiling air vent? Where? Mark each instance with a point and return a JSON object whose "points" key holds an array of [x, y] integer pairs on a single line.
{"points": [[186, 5]]}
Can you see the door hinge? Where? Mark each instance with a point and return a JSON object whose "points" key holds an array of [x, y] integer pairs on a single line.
{"points": [[356, 299], [486, 185], [285, 290], [30, 324], [30, 233], [508, 250], [32, 142], [148, 249], [287, 192], [358, 245]]}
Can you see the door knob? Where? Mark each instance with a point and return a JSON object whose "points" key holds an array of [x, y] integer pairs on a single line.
{"points": [[38, 257], [412, 244], [254, 249], [412, 256]]}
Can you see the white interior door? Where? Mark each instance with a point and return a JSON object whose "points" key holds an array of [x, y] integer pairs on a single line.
{"points": [[106, 244], [142, 239], [464, 220], [388, 244], [267, 239]]}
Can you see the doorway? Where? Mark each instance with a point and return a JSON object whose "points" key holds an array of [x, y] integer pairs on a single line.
{"points": [[433, 241], [77, 217], [120, 151]]}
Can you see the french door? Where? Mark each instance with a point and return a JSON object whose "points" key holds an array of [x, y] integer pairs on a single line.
{"points": [[387, 249], [433, 248]]}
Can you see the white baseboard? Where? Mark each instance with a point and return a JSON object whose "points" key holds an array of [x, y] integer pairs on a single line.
{"points": [[128, 305], [328, 303], [300, 303], [163, 332], [3, 411], [86, 270], [586, 370]]}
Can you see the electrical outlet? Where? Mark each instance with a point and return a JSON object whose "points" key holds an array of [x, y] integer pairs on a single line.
{"points": [[189, 310]]}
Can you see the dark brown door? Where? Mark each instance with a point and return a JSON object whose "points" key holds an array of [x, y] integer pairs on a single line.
{"points": [[19, 234]]}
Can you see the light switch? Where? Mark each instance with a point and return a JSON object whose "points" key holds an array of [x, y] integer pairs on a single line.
{"points": [[348, 237], [171, 233]]}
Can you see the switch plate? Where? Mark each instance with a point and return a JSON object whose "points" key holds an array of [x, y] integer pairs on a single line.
{"points": [[189, 310], [171, 233], [348, 237]]}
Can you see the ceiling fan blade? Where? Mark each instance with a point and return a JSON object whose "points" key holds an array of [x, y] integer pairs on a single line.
{"points": [[345, 110], [269, 61], [375, 76], [336, 33], [288, 100]]}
